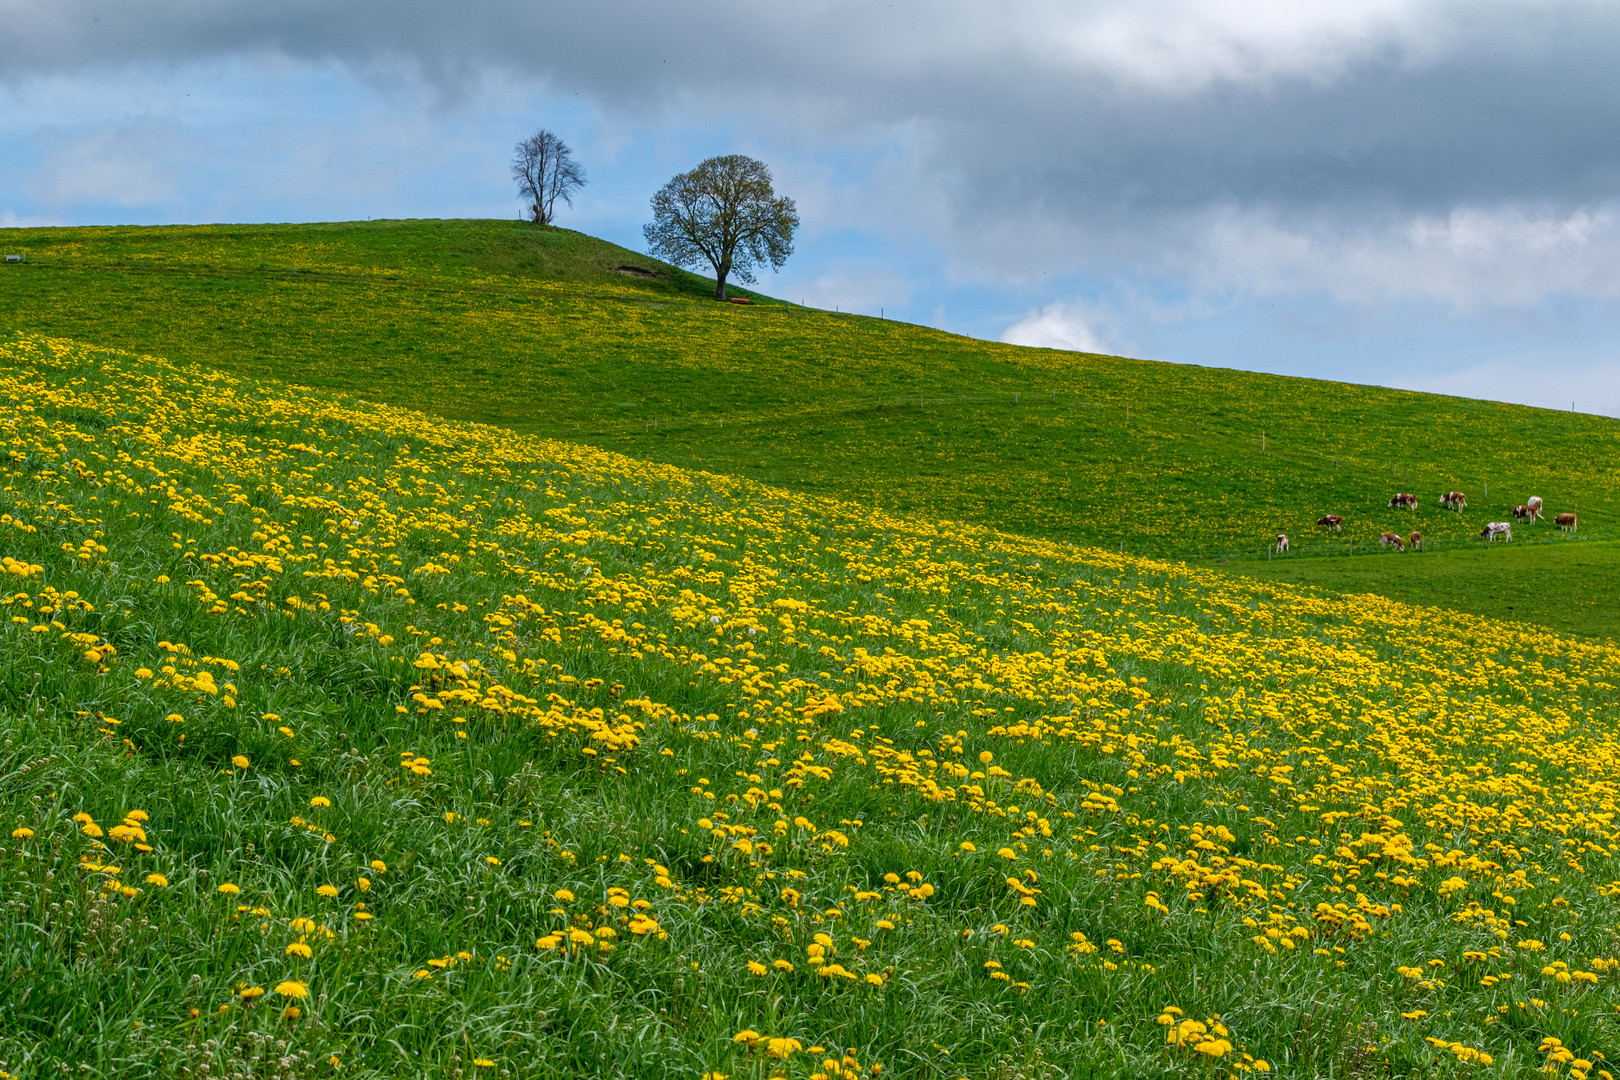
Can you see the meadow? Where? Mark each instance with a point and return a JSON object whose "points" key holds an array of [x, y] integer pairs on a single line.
{"points": [[537, 330], [344, 739]]}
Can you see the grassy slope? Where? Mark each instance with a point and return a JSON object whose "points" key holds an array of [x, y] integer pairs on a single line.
{"points": [[449, 707], [500, 322], [1573, 588]]}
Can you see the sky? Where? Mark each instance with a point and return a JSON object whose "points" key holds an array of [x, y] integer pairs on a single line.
{"points": [[1414, 193]]}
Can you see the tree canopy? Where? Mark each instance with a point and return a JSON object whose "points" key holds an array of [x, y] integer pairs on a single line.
{"points": [[726, 213]]}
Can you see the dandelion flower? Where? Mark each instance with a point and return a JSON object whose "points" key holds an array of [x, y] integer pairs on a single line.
{"points": [[327, 891], [157, 879], [21, 833], [379, 866], [364, 884], [492, 860], [292, 988], [229, 889], [564, 895], [1007, 853], [757, 968], [239, 760], [299, 949], [320, 800], [483, 1063]]}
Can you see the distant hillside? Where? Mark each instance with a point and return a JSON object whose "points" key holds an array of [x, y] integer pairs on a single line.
{"points": [[556, 333]]}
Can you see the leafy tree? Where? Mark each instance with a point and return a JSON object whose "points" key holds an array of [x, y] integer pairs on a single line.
{"points": [[545, 171], [725, 213]]}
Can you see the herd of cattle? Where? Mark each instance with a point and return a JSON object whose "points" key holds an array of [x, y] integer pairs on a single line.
{"points": [[1455, 501]]}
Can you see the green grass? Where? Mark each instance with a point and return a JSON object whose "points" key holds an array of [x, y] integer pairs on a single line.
{"points": [[535, 330], [358, 661], [1572, 588]]}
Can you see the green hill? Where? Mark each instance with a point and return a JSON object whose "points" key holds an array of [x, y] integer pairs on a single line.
{"points": [[553, 333], [343, 741]]}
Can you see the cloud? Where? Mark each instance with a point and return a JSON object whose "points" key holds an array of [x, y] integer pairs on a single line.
{"points": [[1470, 257], [1057, 326]]}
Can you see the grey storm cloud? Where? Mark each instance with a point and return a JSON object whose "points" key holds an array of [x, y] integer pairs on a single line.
{"points": [[1287, 133]]}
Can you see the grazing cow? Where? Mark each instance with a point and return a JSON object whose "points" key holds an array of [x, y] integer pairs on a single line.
{"points": [[1497, 528], [1282, 543], [1454, 500], [1393, 540], [1523, 513], [1403, 501], [1331, 522], [1416, 540], [1534, 503], [1566, 522]]}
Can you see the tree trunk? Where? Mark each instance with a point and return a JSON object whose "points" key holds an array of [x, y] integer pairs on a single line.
{"points": [[720, 274]]}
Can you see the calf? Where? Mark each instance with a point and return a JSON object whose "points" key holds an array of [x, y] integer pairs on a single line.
{"points": [[1403, 501], [1282, 543], [1454, 500], [1393, 540], [1566, 522], [1416, 540], [1497, 528], [1331, 522], [1523, 513], [1534, 503]]}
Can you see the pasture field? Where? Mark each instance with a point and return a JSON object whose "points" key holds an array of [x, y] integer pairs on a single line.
{"points": [[1571, 588], [338, 739], [535, 330]]}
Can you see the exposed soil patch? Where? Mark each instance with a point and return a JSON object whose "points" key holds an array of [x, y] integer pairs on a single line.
{"points": [[634, 271]]}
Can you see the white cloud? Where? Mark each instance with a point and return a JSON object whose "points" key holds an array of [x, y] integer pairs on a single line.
{"points": [[1057, 326], [1473, 257], [1184, 46]]}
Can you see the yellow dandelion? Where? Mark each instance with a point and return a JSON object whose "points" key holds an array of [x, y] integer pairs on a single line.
{"points": [[327, 891], [292, 988], [157, 879], [299, 949], [239, 760], [229, 889]]}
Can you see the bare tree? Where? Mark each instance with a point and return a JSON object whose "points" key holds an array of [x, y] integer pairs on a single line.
{"points": [[725, 213], [545, 171]]}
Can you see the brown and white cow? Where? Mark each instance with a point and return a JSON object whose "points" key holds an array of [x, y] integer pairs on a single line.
{"points": [[1534, 503], [1393, 540], [1403, 501], [1566, 522], [1454, 500], [1416, 541], [1497, 528], [1282, 543], [1331, 522], [1524, 513]]}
